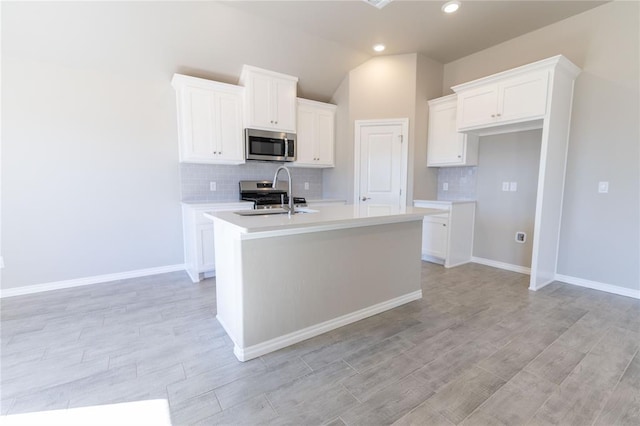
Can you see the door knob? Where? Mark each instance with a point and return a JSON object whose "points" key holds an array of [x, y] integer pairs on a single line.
{"points": [[365, 198]]}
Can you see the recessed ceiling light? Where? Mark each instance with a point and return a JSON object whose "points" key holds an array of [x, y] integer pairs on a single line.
{"points": [[379, 47], [451, 6]]}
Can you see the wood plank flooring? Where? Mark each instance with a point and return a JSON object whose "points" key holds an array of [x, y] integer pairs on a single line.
{"points": [[478, 349]]}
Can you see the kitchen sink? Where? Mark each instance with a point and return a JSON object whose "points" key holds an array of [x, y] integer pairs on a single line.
{"points": [[262, 212]]}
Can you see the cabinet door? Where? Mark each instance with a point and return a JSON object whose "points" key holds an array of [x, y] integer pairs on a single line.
{"points": [[305, 137], [434, 236], [325, 138], [197, 124], [284, 104], [260, 102], [230, 146], [205, 247], [445, 145], [477, 107], [523, 97]]}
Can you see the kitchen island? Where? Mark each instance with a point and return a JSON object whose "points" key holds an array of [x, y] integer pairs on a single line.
{"points": [[282, 279]]}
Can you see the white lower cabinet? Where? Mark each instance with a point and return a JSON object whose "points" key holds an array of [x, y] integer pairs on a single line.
{"points": [[435, 236], [447, 238], [199, 253]]}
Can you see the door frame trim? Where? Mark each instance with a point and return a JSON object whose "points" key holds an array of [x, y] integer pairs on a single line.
{"points": [[404, 122]]}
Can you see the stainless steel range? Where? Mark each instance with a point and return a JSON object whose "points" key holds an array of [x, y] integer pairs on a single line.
{"points": [[266, 197]]}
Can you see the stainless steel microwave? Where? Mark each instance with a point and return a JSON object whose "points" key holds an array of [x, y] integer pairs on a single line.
{"points": [[269, 146]]}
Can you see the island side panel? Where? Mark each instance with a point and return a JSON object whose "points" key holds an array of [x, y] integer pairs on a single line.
{"points": [[229, 306], [297, 281]]}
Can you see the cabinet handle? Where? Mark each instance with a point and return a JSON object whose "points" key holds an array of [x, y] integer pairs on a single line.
{"points": [[498, 115], [271, 121], [444, 224], [276, 122], [493, 116], [459, 156]]}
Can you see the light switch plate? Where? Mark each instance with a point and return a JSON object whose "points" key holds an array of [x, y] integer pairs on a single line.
{"points": [[513, 186], [603, 187], [306, 186], [445, 186], [212, 186], [505, 186]]}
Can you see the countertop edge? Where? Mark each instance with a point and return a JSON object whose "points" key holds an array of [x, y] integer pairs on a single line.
{"points": [[330, 225]]}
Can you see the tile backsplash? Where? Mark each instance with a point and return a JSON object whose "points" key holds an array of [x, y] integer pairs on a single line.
{"points": [[195, 180], [461, 182]]}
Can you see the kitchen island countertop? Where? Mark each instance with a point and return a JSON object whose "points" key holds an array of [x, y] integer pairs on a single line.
{"points": [[323, 218]]}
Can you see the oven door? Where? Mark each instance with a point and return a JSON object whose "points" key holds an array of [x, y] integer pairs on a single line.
{"points": [[269, 146]]}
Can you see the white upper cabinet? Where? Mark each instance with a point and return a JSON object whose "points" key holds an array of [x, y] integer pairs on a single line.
{"points": [[270, 99], [209, 121], [503, 101], [316, 134], [446, 147]]}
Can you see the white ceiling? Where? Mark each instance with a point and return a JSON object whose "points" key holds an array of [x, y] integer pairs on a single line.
{"points": [[416, 26]]}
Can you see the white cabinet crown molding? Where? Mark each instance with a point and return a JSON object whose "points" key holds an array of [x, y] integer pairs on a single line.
{"points": [[249, 68], [559, 62]]}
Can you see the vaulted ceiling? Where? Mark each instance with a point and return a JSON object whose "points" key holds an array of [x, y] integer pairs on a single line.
{"points": [[318, 41], [416, 26]]}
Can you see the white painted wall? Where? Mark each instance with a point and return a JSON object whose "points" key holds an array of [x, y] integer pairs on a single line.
{"points": [[600, 236], [90, 158]]}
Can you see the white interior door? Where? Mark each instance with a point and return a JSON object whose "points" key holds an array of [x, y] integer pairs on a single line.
{"points": [[381, 164]]}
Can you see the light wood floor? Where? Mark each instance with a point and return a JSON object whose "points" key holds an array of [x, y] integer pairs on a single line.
{"points": [[479, 348]]}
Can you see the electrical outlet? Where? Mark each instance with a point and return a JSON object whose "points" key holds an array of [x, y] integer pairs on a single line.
{"points": [[306, 186], [445, 186], [505, 186], [212, 186], [513, 186], [603, 187], [521, 237]]}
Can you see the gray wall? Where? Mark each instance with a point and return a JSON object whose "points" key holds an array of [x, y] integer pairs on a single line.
{"points": [[386, 87], [600, 235], [499, 214], [90, 173]]}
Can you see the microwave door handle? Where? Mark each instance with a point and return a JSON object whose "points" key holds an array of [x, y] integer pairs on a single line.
{"points": [[286, 148]]}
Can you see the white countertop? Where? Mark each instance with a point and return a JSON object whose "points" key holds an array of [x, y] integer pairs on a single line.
{"points": [[327, 218]]}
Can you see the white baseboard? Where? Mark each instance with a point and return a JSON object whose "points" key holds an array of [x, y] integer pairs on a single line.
{"points": [[250, 352], [97, 279], [502, 265], [609, 288], [432, 259]]}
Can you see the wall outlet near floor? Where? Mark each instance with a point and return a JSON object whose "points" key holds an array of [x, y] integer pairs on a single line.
{"points": [[521, 237], [212, 186], [306, 186], [603, 187], [505, 186], [513, 186], [445, 186]]}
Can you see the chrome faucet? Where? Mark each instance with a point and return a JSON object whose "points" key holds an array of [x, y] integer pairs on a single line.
{"points": [[273, 185]]}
